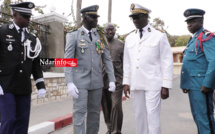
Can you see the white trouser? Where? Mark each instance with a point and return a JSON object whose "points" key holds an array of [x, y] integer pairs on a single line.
{"points": [[147, 111]]}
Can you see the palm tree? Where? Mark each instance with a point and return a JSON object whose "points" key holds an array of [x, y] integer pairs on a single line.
{"points": [[109, 10], [78, 15]]}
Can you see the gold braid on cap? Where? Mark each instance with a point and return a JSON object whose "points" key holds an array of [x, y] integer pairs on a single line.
{"points": [[90, 12], [139, 11]]}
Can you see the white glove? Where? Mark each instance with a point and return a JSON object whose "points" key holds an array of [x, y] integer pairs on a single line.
{"points": [[1, 91], [41, 93], [72, 89], [112, 86]]}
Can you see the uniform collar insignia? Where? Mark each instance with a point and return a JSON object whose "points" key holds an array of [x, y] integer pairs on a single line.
{"points": [[82, 33], [11, 26], [9, 36], [149, 29], [136, 31], [94, 33], [196, 35]]}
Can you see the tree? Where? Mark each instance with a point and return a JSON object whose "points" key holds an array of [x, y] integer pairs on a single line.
{"points": [[5, 8], [109, 10], [182, 40], [78, 15], [172, 39]]}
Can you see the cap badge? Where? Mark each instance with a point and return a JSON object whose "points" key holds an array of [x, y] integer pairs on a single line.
{"points": [[132, 6], [187, 13], [97, 7], [30, 5]]}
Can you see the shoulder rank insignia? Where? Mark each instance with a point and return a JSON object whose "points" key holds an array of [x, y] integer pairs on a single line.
{"points": [[160, 30]]}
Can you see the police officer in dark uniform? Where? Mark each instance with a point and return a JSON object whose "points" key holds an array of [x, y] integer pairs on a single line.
{"points": [[19, 59], [198, 71]]}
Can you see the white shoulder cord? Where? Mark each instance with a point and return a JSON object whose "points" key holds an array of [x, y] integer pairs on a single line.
{"points": [[36, 51]]}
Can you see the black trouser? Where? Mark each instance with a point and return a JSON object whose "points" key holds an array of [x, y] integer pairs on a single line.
{"points": [[112, 110]]}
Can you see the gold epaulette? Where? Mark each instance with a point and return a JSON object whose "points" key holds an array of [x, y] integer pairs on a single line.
{"points": [[163, 31], [101, 34]]}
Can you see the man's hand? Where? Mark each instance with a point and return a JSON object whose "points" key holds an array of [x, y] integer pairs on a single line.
{"points": [[112, 87], [72, 90], [164, 93], [1, 91], [41, 93], [185, 91], [205, 89], [127, 90]]}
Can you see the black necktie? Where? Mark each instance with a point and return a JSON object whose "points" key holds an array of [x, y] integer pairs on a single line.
{"points": [[90, 36], [141, 33], [20, 33]]}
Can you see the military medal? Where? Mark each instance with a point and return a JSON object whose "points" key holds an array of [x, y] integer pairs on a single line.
{"points": [[10, 47], [102, 46], [82, 50]]}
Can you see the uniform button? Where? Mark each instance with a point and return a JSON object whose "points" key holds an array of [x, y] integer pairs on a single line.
{"points": [[137, 67], [92, 60], [92, 69], [140, 43], [22, 62], [21, 52], [138, 59], [91, 52], [139, 51], [76, 70], [91, 44], [182, 72], [0, 70], [192, 49], [184, 55], [199, 75], [20, 71]]}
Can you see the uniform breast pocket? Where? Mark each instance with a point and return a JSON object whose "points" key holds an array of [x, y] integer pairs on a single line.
{"points": [[190, 55]]}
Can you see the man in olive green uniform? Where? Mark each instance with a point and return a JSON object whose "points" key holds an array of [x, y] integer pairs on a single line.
{"points": [[85, 82]]}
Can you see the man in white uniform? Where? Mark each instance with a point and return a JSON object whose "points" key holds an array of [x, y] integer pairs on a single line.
{"points": [[147, 70]]}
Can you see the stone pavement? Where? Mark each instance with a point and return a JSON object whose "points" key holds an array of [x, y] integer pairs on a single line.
{"points": [[175, 114]]}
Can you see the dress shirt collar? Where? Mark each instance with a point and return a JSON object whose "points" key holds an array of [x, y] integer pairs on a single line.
{"points": [[17, 27], [86, 30]]}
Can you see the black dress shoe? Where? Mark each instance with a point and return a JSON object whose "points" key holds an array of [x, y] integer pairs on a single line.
{"points": [[108, 132]]}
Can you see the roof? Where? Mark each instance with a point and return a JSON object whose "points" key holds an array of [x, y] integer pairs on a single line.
{"points": [[176, 50]]}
